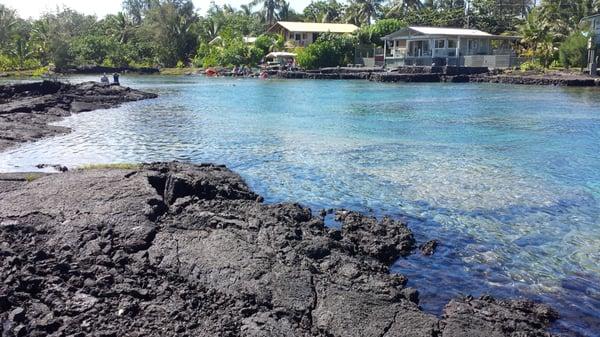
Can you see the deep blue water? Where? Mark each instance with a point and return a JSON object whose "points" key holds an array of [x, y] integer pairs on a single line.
{"points": [[506, 177]]}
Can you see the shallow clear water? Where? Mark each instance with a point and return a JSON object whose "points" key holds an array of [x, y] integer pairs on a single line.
{"points": [[507, 177]]}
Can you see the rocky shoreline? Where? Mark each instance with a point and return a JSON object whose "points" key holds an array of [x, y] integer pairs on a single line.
{"points": [[27, 109], [417, 74], [169, 249]]}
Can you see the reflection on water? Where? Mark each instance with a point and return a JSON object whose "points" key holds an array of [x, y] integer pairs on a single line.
{"points": [[507, 177]]}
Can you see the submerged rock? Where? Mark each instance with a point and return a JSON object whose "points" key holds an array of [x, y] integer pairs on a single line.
{"points": [[175, 249], [429, 247], [27, 109]]}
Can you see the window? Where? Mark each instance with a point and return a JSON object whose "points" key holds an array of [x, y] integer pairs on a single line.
{"points": [[473, 44], [298, 37], [440, 44], [451, 43]]}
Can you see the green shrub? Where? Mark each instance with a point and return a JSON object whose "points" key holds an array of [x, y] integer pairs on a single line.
{"points": [[372, 34], [573, 52], [329, 50], [532, 66], [40, 71], [6, 63]]}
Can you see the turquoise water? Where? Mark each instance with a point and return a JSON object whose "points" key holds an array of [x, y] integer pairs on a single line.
{"points": [[507, 177]]}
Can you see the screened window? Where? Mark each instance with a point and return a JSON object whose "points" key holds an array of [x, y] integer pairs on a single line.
{"points": [[440, 44], [451, 43], [473, 44]]}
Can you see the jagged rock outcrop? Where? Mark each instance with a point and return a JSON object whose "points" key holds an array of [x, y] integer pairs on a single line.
{"points": [[171, 249], [27, 109]]}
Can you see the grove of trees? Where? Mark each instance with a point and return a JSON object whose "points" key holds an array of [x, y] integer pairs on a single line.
{"points": [[172, 33]]}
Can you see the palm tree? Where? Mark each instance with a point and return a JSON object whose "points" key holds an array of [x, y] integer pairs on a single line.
{"points": [[353, 15], [284, 11], [367, 9], [8, 20], [403, 5], [21, 52], [269, 6], [41, 39], [120, 27], [333, 11], [246, 10]]}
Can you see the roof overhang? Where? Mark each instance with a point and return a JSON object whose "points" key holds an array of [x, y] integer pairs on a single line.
{"points": [[435, 32], [590, 17], [314, 27], [277, 54]]}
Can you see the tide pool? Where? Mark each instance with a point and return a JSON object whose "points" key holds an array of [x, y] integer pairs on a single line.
{"points": [[506, 177]]}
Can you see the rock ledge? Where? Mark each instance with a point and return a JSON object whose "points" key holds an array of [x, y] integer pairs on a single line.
{"points": [[173, 249]]}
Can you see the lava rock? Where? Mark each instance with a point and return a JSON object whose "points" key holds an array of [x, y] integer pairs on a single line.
{"points": [[181, 249], [27, 109], [429, 247]]}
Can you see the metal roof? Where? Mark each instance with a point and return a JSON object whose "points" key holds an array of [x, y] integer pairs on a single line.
{"points": [[438, 31], [276, 54], [246, 39], [450, 31], [591, 16], [314, 27]]}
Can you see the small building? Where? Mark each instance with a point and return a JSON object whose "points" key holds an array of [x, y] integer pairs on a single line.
{"points": [[302, 34], [593, 22], [425, 46], [279, 59], [246, 39]]}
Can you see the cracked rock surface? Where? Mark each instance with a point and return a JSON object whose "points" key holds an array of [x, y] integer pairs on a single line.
{"points": [[27, 109], [174, 249]]}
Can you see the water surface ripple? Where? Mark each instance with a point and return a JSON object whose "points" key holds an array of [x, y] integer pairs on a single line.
{"points": [[507, 177]]}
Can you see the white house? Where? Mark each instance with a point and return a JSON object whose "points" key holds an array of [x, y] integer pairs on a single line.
{"points": [[426, 46], [246, 39], [304, 33], [594, 43]]}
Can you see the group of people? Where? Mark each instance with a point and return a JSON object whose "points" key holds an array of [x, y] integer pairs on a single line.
{"points": [[104, 79]]}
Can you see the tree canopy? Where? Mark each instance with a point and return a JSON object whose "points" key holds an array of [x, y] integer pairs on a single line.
{"points": [[172, 32]]}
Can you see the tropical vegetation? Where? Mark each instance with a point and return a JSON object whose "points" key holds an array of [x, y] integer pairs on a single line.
{"points": [[171, 33]]}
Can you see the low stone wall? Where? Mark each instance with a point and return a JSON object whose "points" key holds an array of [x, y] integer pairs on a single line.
{"points": [[396, 77], [323, 76], [537, 80], [445, 70], [439, 74]]}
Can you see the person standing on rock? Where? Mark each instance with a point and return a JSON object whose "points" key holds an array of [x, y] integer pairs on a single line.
{"points": [[116, 78], [104, 79]]}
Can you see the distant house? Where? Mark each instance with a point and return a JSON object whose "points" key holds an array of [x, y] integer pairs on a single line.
{"points": [[246, 39], [448, 46], [304, 33], [594, 21], [594, 43]]}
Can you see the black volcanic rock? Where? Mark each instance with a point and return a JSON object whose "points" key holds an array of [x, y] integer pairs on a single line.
{"points": [[171, 249], [27, 109], [429, 247]]}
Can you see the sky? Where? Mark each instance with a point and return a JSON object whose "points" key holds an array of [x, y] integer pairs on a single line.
{"points": [[33, 8]]}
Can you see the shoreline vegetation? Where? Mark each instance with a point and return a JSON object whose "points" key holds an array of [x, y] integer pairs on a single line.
{"points": [[414, 74], [175, 34], [191, 249]]}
